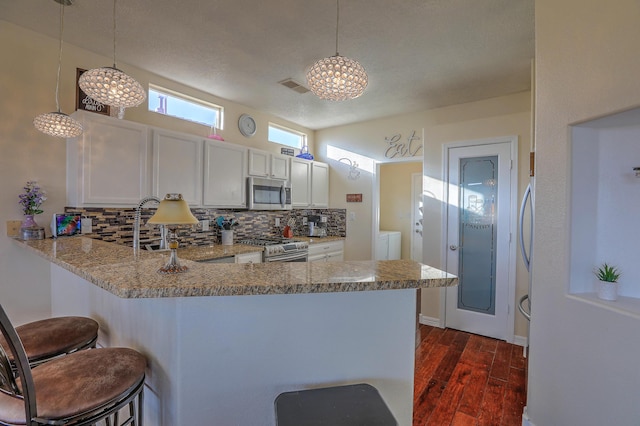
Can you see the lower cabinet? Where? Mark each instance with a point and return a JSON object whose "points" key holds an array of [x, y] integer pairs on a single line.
{"points": [[332, 251], [255, 257], [388, 245]]}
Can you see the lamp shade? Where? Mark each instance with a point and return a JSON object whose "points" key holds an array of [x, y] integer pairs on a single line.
{"points": [[337, 78], [58, 124], [110, 86], [173, 210]]}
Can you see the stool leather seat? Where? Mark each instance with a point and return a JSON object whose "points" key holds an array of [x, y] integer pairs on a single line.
{"points": [[95, 376], [52, 337], [81, 388]]}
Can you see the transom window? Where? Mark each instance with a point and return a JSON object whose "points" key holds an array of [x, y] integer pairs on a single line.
{"points": [[284, 136], [167, 102]]}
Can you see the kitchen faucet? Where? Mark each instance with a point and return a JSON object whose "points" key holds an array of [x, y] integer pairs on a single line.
{"points": [[136, 224]]}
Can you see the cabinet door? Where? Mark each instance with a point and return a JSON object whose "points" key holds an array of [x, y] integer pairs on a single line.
{"points": [[319, 185], [177, 165], [300, 182], [224, 175], [317, 258], [259, 163], [280, 166], [337, 256], [111, 162]]}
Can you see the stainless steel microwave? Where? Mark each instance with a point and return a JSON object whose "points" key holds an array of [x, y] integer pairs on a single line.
{"points": [[268, 194]]}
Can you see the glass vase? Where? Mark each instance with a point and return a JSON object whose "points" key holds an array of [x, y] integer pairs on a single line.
{"points": [[28, 222]]}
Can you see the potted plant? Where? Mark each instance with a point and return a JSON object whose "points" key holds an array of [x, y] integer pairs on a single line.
{"points": [[607, 282]]}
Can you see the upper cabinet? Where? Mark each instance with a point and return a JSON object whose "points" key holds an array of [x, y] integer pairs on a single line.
{"points": [[265, 164], [224, 175], [319, 185], [177, 165], [300, 182], [309, 184], [108, 163]]}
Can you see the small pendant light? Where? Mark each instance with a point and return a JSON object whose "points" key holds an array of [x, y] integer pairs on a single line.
{"points": [[111, 86], [58, 123], [337, 78]]}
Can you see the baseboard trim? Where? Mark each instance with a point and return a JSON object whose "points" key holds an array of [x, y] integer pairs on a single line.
{"points": [[435, 322], [432, 321], [526, 421], [520, 341]]}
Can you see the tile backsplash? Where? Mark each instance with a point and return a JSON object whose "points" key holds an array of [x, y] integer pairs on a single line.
{"points": [[116, 224]]}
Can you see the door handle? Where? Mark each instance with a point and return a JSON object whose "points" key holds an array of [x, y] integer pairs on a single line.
{"points": [[454, 248]]}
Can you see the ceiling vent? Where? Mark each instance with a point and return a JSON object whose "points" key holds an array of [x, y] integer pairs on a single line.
{"points": [[294, 85]]}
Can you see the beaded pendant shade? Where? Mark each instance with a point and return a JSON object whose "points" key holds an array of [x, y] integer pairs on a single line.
{"points": [[58, 123], [111, 86], [337, 78]]}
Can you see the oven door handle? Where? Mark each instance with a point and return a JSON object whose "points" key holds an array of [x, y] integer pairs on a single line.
{"points": [[283, 196], [287, 257]]}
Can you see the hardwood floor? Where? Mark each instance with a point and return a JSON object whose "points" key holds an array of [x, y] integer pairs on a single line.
{"points": [[463, 379]]}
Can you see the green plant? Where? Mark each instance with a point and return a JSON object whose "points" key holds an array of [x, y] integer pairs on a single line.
{"points": [[607, 273]]}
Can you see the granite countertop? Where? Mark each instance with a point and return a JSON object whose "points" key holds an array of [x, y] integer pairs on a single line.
{"points": [[119, 270]]}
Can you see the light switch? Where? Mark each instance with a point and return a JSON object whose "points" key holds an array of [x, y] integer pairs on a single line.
{"points": [[205, 225], [352, 216], [277, 222], [13, 228]]}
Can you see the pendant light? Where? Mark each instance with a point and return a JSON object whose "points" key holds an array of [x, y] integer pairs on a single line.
{"points": [[58, 123], [337, 78], [109, 85]]}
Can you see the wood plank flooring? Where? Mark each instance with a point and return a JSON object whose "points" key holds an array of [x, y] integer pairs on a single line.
{"points": [[463, 379]]}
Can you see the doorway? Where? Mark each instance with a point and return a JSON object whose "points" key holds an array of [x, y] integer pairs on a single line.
{"points": [[481, 182], [395, 202]]}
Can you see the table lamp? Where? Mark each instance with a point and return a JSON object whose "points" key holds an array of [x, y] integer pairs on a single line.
{"points": [[172, 212]]}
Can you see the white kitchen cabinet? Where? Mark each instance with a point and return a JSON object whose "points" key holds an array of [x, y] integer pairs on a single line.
{"points": [[177, 165], [388, 245], [225, 168], [268, 165], [300, 182], [331, 251], [309, 184], [319, 185], [254, 257], [109, 163]]}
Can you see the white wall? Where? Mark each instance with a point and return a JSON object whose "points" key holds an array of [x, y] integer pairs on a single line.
{"points": [[583, 365], [28, 81], [496, 117]]}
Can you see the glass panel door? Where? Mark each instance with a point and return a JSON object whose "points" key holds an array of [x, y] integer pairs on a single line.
{"points": [[477, 187]]}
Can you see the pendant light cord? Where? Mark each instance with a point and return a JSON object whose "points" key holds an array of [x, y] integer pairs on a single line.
{"points": [[337, 24], [59, 55], [114, 33]]}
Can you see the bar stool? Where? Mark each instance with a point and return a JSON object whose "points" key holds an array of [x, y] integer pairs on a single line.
{"points": [[78, 389], [350, 405], [50, 338]]}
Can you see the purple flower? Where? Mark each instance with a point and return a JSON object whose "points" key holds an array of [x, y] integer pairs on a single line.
{"points": [[32, 198]]}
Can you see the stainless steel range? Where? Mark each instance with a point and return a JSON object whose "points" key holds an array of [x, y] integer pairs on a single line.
{"points": [[280, 249]]}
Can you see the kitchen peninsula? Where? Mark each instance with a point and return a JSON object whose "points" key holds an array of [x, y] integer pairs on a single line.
{"points": [[223, 340]]}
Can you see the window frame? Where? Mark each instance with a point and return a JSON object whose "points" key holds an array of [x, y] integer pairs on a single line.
{"points": [[219, 109], [303, 136]]}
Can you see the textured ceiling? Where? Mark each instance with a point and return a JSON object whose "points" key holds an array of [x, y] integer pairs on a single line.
{"points": [[418, 54]]}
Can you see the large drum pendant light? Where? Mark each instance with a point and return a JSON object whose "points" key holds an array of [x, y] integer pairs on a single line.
{"points": [[111, 86], [58, 123], [337, 78]]}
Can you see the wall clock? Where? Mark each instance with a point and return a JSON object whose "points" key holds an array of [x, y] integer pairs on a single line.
{"points": [[247, 125]]}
